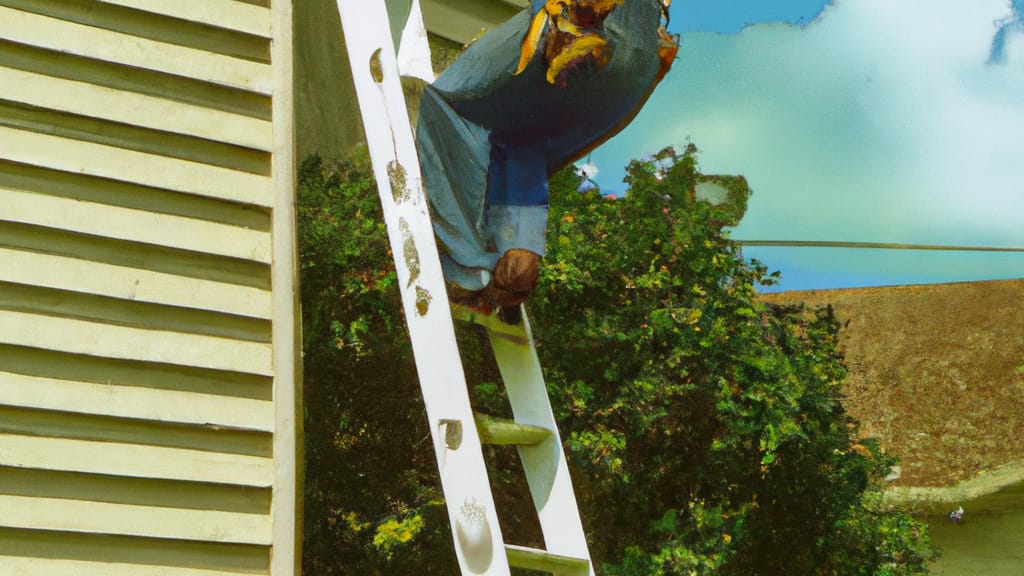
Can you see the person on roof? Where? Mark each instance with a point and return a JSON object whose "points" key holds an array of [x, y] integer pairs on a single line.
{"points": [[956, 515]]}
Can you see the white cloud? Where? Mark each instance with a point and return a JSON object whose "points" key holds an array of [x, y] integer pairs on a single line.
{"points": [[1015, 47], [881, 121]]}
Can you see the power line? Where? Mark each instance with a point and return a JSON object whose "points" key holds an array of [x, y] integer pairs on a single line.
{"points": [[876, 245]]}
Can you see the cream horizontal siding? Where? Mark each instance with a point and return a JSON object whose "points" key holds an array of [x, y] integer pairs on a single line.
{"points": [[135, 225], [138, 167], [137, 109], [75, 275], [228, 14], [27, 566], [117, 48], [48, 553], [170, 406], [127, 343], [148, 403], [129, 520], [136, 461]]}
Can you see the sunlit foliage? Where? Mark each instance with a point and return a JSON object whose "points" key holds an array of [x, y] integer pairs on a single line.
{"points": [[704, 429]]}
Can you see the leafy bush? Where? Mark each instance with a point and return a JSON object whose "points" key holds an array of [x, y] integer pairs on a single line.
{"points": [[373, 503], [705, 430]]}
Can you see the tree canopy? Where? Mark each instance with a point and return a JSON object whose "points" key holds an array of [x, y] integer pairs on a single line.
{"points": [[705, 429]]}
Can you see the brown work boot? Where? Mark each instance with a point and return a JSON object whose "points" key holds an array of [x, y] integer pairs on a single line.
{"points": [[515, 277]]}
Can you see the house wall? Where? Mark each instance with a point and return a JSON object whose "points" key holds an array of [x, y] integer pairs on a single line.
{"points": [[148, 341], [327, 116], [461, 21]]}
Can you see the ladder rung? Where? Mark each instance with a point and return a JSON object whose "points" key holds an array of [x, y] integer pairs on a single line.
{"points": [[503, 431], [511, 332], [542, 561]]}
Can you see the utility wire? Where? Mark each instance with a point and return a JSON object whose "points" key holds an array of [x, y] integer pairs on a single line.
{"points": [[876, 245]]}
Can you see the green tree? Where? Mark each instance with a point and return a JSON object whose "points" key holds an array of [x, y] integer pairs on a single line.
{"points": [[373, 504], [705, 430]]}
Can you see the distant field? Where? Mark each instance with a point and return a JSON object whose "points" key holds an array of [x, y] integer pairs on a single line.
{"points": [[936, 372]]}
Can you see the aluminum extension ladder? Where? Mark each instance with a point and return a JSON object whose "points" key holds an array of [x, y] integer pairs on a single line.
{"points": [[457, 432]]}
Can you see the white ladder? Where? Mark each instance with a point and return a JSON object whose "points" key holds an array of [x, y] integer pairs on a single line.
{"points": [[479, 544]]}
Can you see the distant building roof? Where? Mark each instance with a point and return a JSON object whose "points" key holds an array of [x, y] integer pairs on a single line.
{"points": [[936, 371]]}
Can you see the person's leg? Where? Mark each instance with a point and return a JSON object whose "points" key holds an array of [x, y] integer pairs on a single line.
{"points": [[517, 210]]}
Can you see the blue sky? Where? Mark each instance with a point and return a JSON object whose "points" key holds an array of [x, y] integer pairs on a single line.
{"points": [[853, 120]]}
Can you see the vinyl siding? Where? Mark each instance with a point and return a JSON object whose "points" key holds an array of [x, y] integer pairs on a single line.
{"points": [[148, 320], [462, 21]]}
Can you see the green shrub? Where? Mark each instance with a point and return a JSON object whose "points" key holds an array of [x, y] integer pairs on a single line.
{"points": [[704, 429]]}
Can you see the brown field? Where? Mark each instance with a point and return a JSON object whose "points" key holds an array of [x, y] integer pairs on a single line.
{"points": [[936, 372]]}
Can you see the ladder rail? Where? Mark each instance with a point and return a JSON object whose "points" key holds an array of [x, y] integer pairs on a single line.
{"points": [[459, 456], [547, 471], [454, 427]]}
